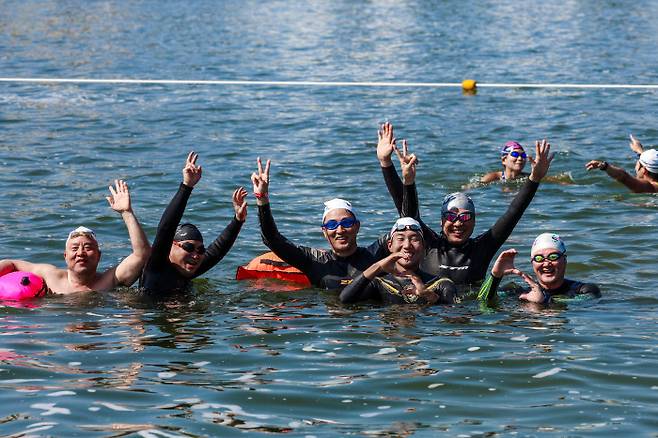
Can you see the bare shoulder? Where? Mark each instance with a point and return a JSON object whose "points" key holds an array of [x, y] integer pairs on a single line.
{"points": [[491, 177], [106, 281]]}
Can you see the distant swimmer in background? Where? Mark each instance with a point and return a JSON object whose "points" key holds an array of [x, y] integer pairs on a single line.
{"points": [[513, 158], [646, 169], [328, 269], [453, 253], [398, 279], [549, 263], [178, 254], [82, 255]]}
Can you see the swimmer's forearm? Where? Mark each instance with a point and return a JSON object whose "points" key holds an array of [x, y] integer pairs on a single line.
{"points": [[373, 271], [634, 184], [138, 240]]}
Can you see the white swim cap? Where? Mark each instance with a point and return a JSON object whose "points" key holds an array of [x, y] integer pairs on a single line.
{"points": [[406, 223], [335, 204], [82, 231], [548, 240], [649, 159], [457, 200]]}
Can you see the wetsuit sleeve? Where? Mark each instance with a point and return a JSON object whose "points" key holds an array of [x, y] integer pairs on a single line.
{"points": [[220, 247], [360, 289], [489, 290], [171, 217], [506, 223], [394, 186], [292, 254], [410, 209]]}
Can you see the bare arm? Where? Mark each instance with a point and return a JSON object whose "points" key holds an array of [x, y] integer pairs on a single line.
{"points": [[41, 269], [490, 177], [131, 267], [636, 185]]}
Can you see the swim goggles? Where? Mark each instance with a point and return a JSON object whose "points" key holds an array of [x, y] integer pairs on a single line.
{"points": [[552, 257], [405, 227], [348, 222], [189, 247], [452, 216], [517, 154]]}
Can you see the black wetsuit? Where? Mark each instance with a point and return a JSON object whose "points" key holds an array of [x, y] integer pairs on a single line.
{"points": [[160, 277], [568, 289], [467, 264], [389, 289], [323, 268]]}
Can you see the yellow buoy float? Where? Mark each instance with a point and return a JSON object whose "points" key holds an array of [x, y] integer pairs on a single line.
{"points": [[469, 86]]}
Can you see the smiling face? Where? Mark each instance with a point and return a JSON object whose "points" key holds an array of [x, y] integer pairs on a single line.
{"points": [[184, 261], [342, 239], [458, 232], [410, 243], [549, 274], [82, 255], [514, 164]]}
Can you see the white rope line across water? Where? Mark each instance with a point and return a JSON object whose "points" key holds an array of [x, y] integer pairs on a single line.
{"points": [[321, 83]]}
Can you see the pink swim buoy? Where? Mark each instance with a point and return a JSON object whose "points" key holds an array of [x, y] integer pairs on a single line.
{"points": [[20, 285]]}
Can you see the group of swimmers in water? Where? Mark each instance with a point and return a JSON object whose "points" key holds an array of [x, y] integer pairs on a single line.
{"points": [[412, 263]]}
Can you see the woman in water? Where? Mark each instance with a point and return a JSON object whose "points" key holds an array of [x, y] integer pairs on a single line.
{"points": [[549, 263], [513, 158]]}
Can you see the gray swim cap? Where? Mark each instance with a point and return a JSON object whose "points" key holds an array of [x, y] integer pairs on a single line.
{"points": [[457, 200]]}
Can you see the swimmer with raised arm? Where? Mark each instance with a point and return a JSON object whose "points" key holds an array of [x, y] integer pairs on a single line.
{"points": [[513, 158], [549, 263], [453, 253], [646, 169], [328, 269], [82, 255], [178, 253], [397, 279]]}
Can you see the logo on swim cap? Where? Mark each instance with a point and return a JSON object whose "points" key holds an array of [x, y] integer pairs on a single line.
{"points": [[548, 241], [509, 147], [649, 159], [188, 232], [457, 200], [335, 204]]}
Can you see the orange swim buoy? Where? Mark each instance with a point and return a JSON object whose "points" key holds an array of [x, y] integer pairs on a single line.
{"points": [[269, 265]]}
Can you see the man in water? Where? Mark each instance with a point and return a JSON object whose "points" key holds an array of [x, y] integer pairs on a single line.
{"points": [[178, 253], [453, 253], [549, 262], [646, 169], [82, 255], [331, 269], [397, 279], [513, 158]]}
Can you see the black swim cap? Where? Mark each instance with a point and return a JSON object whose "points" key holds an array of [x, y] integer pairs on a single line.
{"points": [[188, 232]]}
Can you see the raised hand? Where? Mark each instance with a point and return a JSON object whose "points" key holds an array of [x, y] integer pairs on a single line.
{"points": [[535, 295], [261, 179], [504, 264], [119, 198], [191, 172], [595, 164], [542, 160], [408, 163], [240, 203], [635, 145], [385, 144]]}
